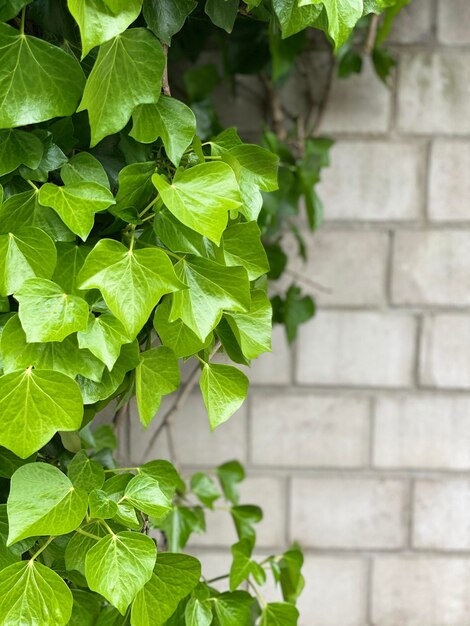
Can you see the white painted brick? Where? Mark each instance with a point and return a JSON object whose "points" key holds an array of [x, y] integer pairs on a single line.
{"points": [[356, 348], [214, 564], [350, 264], [431, 267], [348, 513], [335, 592], [414, 23], [308, 430], [194, 442], [445, 351], [361, 104], [421, 592], [434, 92], [273, 368], [376, 181], [449, 182], [441, 514], [453, 22], [422, 432]]}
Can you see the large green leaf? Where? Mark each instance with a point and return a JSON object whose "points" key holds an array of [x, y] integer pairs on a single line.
{"points": [[156, 375], [174, 577], [198, 613], [19, 147], [76, 204], [176, 335], [279, 614], [43, 501], [38, 81], [33, 594], [294, 18], [84, 167], [169, 119], [242, 246], [47, 313], [200, 197], [34, 405], [131, 281], [98, 23], [118, 566], [224, 390], [253, 329], [145, 493], [232, 608], [166, 17], [213, 288], [104, 337], [25, 253], [342, 15], [127, 72]]}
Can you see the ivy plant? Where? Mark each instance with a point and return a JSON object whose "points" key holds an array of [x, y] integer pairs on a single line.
{"points": [[131, 239]]}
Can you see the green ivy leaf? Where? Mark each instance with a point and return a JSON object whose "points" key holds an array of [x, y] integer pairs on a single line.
{"points": [[230, 474], [290, 574], [293, 17], [135, 187], [127, 72], [32, 589], [232, 608], [200, 197], [180, 524], [244, 517], [342, 15], [156, 375], [25, 253], [242, 565], [242, 247], [84, 168], [224, 390], [174, 577], [132, 282], [43, 501], [212, 289], [86, 608], [118, 566], [79, 545], [167, 17], [169, 119], [166, 476], [176, 335], [104, 337], [179, 238], [253, 329], [51, 160], [11, 8], [85, 473], [279, 614], [9, 463], [70, 259], [47, 313], [144, 493], [222, 14], [204, 489], [101, 505], [198, 613], [293, 311], [76, 204], [115, 488], [39, 81], [98, 23], [34, 405], [19, 147]]}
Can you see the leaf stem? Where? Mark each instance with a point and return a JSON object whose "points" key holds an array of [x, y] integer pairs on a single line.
{"points": [[108, 528], [214, 580], [149, 206], [42, 548], [131, 245], [23, 19], [35, 187], [175, 256], [122, 469], [87, 534]]}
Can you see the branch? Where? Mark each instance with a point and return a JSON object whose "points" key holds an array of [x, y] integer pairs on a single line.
{"points": [[371, 34], [322, 106], [275, 105]]}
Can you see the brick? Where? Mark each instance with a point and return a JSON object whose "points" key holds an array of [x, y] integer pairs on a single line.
{"points": [[433, 96], [350, 264], [453, 22], [356, 348], [449, 183], [214, 563], [373, 181], [273, 368], [425, 432], [445, 352], [348, 513], [420, 591], [431, 268], [414, 23], [441, 514], [335, 592], [308, 430], [361, 104], [195, 444], [268, 492]]}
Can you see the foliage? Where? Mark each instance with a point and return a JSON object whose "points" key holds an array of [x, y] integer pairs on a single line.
{"points": [[129, 241]]}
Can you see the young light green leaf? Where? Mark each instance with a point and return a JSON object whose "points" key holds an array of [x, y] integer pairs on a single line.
{"points": [[232, 608], [174, 577], [85, 473], [84, 167], [258, 164], [205, 489], [34, 405], [156, 375], [242, 565], [169, 119], [176, 335], [101, 505], [76, 204], [47, 313], [104, 337], [213, 288], [294, 18], [131, 281], [279, 614], [118, 566], [242, 246], [114, 489], [253, 329], [98, 23], [127, 72], [39, 81], [198, 613], [144, 493], [32, 589], [200, 197], [25, 253], [166, 475], [224, 390], [166, 17], [244, 517], [19, 147], [43, 501], [342, 17]]}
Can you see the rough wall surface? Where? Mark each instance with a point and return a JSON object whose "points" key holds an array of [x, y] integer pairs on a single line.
{"points": [[357, 441]]}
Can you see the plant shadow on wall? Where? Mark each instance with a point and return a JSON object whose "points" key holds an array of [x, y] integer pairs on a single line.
{"points": [[135, 233]]}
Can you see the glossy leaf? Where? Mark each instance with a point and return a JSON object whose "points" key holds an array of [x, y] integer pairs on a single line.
{"points": [[293, 18], [198, 613], [230, 474], [224, 390], [85, 473], [79, 545], [342, 17], [253, 329], [84, 168], [222, 14], [101, 505], [19, 147], [70, 259], [135, 187], [204, 489], [232, 608], [279, 614], [104, 337], [180, 524], [11, 8], [156, 375], [242, 246], [144, 493], [166, 17]]}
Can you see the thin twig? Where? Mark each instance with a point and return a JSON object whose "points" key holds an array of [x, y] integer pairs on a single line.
{"points": [[275, 105], [321, 109], [308, 281], [165, 83], [371, 34]]}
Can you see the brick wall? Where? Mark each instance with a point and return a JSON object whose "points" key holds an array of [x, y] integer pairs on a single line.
{"points": [[358, 440]]}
